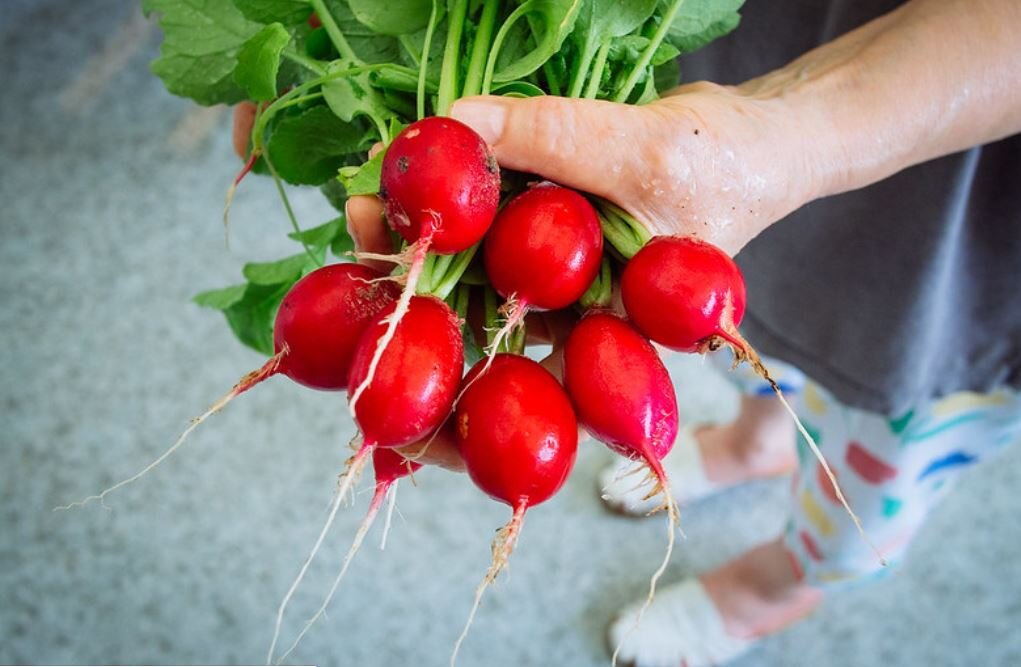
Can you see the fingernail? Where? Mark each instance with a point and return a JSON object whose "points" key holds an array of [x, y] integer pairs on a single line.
{"points": [[485, 116]]}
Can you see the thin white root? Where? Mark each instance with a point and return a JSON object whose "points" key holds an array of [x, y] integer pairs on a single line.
{"points": [[503, 546], [400, 310], [672, 520], [391, 505], [830, 475], [354, 470], [243, 385], [355, 545]]}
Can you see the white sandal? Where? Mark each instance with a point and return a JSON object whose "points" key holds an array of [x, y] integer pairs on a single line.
{"points": [[681, 627], [624, 492]]}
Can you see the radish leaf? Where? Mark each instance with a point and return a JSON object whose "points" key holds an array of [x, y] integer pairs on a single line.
{"points": [[259, 62], [199, 51], [288, 12], [309, 148]]}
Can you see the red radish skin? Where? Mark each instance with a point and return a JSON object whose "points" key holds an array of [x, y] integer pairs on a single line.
{"points": [[684, 293], [440, 186], [689, 295], [317, 327], [620, 388], [440, 181], [389, 466], [415, 382], [624, 397], [542, 252], [518, 435], [544, 247]]}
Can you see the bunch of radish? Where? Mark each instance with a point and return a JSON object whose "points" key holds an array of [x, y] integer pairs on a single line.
{"points": [[396, 342]]}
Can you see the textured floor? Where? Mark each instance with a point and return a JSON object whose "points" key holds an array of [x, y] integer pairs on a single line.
{"points": [[111, 190]]}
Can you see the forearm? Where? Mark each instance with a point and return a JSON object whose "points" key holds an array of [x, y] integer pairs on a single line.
{"points": [[929, 79]]}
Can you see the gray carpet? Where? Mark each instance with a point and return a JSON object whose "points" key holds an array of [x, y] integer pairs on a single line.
{"points": [[111, 191]]}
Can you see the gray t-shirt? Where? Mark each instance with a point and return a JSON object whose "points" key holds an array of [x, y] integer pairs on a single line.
{"points": [[895, 294]]}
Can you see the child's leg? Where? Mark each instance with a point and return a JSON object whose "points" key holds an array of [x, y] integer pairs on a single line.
{"points": [[892, 471]]}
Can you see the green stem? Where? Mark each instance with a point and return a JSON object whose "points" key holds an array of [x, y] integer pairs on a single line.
{"points": [[305, 61], [551, 78], [381, 127], [492, 319], [288, 99], [423, 67], [581, 67], [287, 205], [333, 30], [597, 71], [647, 54], [451, 58], [440, 267], [600, 292], [480, 49], [487, 81], [453, 274]]}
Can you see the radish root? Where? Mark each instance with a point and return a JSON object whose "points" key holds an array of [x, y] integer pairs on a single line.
{"points": [[354, 468], [503, 546], [673, 519], [244, 384], [370, 517], [232, 190], [743, 351], [391, 505]]}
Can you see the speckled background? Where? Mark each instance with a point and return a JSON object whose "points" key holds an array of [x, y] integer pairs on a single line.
{"points": [[111, 191]]}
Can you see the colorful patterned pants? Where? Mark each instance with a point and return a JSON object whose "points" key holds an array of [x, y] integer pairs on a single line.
{"points": [[892, 471]]}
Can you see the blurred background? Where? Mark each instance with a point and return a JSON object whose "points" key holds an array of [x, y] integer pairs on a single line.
{"points": [[111, 194]]}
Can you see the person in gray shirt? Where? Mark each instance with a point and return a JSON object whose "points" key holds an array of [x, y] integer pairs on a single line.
{"points": [[863, 166]]}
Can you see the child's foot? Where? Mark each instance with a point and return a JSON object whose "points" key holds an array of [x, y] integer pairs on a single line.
{"points": [[712, 619], [759, 444]]}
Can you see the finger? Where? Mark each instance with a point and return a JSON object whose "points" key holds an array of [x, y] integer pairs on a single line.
{"points": [[244, 119], [440, 451], [584, 144], [367, 228], [376, 148]]}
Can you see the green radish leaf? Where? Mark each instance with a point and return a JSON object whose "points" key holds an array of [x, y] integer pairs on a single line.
{"points": [[259, 62], [343, 245], [402, 79], [321, 236], [251, 318], [221, 299], [288, 269], [355, 96], [309, 148], [699, 22], [364, 179], [664, 53], [558, 17], [396, 17], [667, 75], [367, 44], [288, 12], [334, 193], [518, 89], [201, 40]]}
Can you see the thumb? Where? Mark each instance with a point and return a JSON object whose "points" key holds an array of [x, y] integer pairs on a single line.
{"points": [[585, 144]]}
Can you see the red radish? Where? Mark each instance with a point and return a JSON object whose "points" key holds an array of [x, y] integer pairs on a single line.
{"points": [[440, 181], [689, 295], [684, 293], [409, 396], [314, 21], [440, 185], [317, 327], [518, 435], [625, 398], [389, 466], [415, 381], [543, 251]]}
